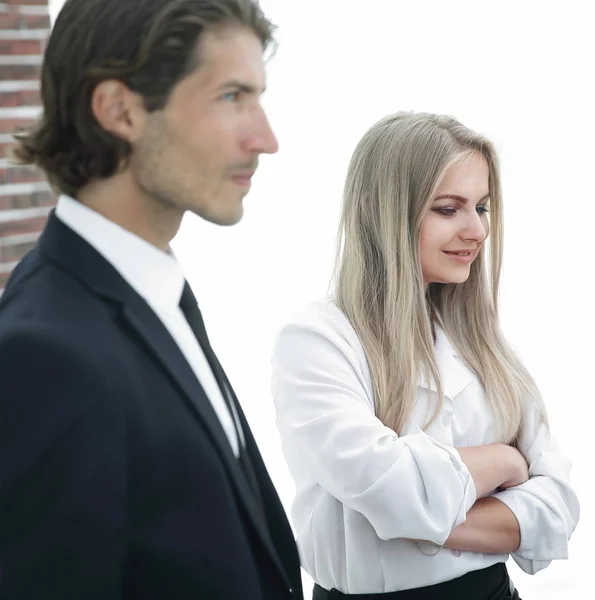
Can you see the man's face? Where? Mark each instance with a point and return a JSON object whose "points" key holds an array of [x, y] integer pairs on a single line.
{"points": [[200, 151]]}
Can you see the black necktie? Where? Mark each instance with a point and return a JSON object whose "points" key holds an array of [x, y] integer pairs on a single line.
{"points": [[189, 307]]}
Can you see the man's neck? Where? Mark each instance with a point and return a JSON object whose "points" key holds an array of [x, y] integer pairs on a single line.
{"points": [[119, 200]]}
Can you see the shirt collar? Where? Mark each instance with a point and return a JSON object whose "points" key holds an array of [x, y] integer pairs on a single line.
{"points": [[443, 343], [455, 376], [155, 275]]}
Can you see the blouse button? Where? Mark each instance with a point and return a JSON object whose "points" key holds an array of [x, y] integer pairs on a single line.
{"points": [[456, 553]]}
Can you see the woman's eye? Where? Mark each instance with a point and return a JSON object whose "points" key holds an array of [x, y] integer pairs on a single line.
{"points": [[447, 211], [482, 209]]}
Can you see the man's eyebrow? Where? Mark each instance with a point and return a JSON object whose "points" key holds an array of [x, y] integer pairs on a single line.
{"points": [[242, 87]]}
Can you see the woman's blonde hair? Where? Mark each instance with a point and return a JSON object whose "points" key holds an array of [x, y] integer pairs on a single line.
{"points": [[392, 178]]}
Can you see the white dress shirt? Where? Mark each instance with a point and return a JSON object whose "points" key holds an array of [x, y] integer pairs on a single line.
{"points": [[361, 489], [157, 277]]}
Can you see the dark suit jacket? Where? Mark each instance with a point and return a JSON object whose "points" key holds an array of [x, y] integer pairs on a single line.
{"points": [[117, 481]]}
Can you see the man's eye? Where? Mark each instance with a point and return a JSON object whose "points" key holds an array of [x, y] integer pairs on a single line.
{"points": [[231, 96]]}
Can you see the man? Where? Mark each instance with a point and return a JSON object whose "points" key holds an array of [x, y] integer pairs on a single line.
{"points": [[127, 468]]}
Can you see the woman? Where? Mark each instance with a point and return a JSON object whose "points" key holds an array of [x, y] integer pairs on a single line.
{"points": [[418, 442]]}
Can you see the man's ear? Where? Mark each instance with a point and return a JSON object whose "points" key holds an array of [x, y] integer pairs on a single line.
{"points": [[118, 109]]}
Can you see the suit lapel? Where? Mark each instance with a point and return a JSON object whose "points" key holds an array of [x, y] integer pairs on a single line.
{"points": [[272, 502], [247, 493], [159, 342], [65, 248]]}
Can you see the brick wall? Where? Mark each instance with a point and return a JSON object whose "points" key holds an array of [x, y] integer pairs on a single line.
{"points": [[25, 198]]}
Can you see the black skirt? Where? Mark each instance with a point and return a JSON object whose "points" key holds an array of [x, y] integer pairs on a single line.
{"points": [[492, 583]]}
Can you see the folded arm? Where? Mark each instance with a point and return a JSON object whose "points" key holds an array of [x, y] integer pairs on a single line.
{"points": [[410, 486], [534, 520], [490, 527], [546, 507]]}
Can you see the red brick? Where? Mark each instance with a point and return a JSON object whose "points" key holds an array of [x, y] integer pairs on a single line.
{"points": [[18, 202], [3, 279], [19, 98], [25, 226], [15, 252], [12, 125], [10, 99], [4, 149], [19, 72], [26, 2], [20, 174], [14, 20], [19, 47], [11, 20]]}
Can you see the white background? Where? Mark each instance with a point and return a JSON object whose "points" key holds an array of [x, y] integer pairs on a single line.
{"points": [[520, 71]]}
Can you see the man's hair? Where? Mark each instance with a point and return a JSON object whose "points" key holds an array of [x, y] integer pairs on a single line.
{"points": [[149, 45]]}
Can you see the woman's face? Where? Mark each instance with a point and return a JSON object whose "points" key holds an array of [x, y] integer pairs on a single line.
{"points": [[456, 225]]}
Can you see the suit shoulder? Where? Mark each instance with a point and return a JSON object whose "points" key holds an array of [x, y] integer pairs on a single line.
{"points": [[50, 320], [41, 295], [41, 354]]}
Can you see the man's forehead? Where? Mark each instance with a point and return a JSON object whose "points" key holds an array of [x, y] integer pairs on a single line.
{"points": [[231, 53]]}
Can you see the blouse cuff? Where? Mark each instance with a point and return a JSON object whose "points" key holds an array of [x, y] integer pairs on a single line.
{"points": [[540, 540]]}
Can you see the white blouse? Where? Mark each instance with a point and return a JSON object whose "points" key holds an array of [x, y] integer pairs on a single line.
{"points": [[361, 489]]}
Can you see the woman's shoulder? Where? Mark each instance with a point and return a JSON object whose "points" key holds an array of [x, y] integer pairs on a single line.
{"points": [[321, 320], [320, 335], [322, 316]]}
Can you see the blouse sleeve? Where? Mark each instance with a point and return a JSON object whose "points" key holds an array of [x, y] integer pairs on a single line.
{"points": [[406, 487], [545, 506]]}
